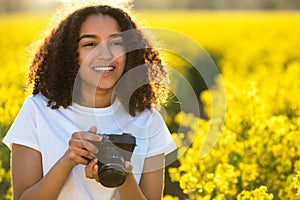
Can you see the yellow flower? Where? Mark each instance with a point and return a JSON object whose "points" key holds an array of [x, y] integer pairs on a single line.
{"points": [[296, 180]]}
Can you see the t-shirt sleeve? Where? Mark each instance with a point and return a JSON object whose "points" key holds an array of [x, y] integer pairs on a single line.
{"points": [[23, 130], [161, 141]]}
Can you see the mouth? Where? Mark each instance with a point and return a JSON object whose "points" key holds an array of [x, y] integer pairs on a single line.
{"points": [[104, 68]]}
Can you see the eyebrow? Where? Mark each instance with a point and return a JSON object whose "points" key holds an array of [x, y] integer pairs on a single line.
{"points": [[87, 36], [116, 35], [94, 36]]}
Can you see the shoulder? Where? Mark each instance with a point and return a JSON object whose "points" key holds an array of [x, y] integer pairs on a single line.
{"points": [[35, 102], [150, 117], [156, 116], [153, 115], [36, 99]]}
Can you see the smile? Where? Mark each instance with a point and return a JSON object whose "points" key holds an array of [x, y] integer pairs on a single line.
{"points": [[103, 69]]}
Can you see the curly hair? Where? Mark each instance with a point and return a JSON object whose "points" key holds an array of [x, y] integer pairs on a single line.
{"points": [[55, 65]]}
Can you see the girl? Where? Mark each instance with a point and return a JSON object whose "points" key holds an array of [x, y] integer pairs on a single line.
{"points": [[94, 73]]}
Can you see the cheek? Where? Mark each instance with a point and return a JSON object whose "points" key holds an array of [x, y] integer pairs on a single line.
{"points": [[82, 57], [122, 61]]}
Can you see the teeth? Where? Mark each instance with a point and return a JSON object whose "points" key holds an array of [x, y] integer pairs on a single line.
{"points": [[103, 68]]}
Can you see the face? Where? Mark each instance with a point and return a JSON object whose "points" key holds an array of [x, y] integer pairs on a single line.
{"points": [[101, 53]]}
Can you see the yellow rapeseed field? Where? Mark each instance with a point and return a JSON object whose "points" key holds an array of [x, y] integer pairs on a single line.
{"points": [[257, 155]]}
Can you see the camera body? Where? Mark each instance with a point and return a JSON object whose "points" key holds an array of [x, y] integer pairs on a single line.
{"points": [[114, 150]]}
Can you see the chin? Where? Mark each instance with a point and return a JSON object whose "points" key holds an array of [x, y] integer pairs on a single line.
{"points": [[105, 87]]}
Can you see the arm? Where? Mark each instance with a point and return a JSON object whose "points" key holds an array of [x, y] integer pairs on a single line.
{"points": [[27, 175], [152, 180]]}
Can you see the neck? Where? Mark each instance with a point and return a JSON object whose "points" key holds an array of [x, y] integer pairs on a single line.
{"points": [[95, 98]]}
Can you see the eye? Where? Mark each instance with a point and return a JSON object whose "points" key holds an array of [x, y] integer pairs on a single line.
{"points": [[116, 43], [89, 44]]}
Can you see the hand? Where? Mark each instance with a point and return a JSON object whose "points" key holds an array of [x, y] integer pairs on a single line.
{"points": [[80, 150], [91, 169]]}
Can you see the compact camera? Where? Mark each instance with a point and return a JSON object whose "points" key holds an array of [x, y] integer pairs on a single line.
{"points": [[114, 150]]}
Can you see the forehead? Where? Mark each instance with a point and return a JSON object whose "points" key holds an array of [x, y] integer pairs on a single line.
{"points": [[100, 24]]}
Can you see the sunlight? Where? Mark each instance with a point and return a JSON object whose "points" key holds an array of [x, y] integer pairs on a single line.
{"points": [[64, 1]]}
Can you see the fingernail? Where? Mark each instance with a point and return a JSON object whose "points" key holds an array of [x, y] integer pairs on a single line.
{"points": [[100, 137], [96, 168]]}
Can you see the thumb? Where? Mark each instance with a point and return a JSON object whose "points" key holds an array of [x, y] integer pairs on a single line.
{"points": [[128, 166], [93, 129]]}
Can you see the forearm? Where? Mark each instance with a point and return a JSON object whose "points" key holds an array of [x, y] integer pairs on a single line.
{"points": [[130, 189], [49, 187]]}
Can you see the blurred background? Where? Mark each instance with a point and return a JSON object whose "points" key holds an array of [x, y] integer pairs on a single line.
{"points": [[255, 45], [39, 5]]}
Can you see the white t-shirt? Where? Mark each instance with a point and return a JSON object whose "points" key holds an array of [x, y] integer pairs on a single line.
{"points": [[48, 131]]}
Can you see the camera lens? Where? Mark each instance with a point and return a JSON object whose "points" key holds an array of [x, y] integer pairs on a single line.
{"points": [[111, 171], [112, 175], [114, 150]]}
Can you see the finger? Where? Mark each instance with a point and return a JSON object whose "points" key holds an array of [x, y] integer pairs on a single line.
{"points": [[128, 166], [89, 169], [89, 147], [75, 135], [78, 147], [93, 129], [84, 153], [76, 143], [83, 144], [82, 160], [77, 159], [87, 136], [95, 171]]}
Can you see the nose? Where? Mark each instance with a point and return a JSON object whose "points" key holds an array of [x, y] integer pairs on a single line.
{"points": [[104, 52]]}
